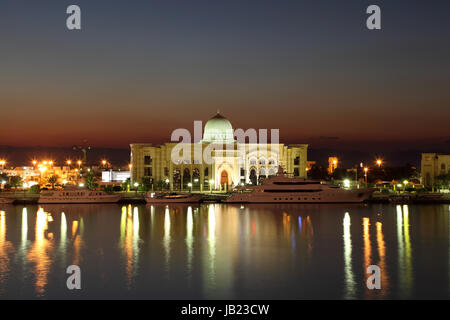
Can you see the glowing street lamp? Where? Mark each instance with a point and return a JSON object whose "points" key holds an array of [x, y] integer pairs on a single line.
{"points": [[365, 173], [69, 162], [2, 163], [79, 163], [379, 162]]}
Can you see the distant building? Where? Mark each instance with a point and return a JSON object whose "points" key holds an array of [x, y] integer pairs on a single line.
{"points": [[115, 176], [310, 164], [332, 164], [433, 165], [41, 174], [233, 163]]}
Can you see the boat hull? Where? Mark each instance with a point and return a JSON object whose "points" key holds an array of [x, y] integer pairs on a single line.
{"points": [[99, 199], [6, 201], [191, 199], [338, 196]]}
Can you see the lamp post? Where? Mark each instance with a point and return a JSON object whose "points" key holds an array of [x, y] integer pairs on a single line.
{"points": [[2, 164], [379, 163], [365, 174]]}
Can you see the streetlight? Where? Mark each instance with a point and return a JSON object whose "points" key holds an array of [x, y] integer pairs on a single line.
{"points": [[365, 173], [79, 163], [379, 162], [69, 162], [3, 163], [167, 183]]}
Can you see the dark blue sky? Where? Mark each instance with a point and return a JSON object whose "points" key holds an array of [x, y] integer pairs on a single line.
{"points": [[139, 69]]}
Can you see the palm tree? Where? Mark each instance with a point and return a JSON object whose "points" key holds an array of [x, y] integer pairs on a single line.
{"points": [[15, 182], [53, 180]]}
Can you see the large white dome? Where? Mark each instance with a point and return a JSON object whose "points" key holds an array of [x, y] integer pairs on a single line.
{"points": [[219, 130]]}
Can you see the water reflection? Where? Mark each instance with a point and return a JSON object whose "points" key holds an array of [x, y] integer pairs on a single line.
{"points": [[166, 239], [40, 251], [5, 249], [129, 241], [189, 240], [367, 248], [382, 263], [210, 275], [349, 277], [220, 251], [404, 251]]}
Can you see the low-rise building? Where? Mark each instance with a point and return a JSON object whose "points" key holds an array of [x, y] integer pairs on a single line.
{"points": [[432, 166]]}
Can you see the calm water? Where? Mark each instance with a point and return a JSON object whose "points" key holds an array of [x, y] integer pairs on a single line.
{"points": [[215, 251]]}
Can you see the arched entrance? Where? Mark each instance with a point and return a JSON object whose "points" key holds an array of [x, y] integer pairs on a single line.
{"points": [[224, 180], [253, 177]]}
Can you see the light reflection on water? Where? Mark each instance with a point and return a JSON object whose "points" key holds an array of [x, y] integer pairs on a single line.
{"points": [[225, 251]]}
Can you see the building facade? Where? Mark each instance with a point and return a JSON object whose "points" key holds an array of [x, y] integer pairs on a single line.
{"points": [[433, 165], [230, 163]]}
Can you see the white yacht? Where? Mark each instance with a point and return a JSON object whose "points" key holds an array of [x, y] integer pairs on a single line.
{"points": [[77, 196], [285, 189]]}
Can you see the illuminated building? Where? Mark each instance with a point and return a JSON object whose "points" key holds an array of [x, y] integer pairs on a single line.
{"points": [[232, 163], [433, 165], [332, 164]]}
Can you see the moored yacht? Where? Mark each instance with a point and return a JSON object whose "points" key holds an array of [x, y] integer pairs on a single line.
{"points": [[6, 200], [153, 198], [77, 196], [285, 189]]}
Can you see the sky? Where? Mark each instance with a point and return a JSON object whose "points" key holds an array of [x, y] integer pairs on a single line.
{"points": [[140, 69]]}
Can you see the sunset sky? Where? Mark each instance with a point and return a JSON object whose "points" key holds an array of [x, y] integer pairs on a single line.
{"points": [[139, 69]]}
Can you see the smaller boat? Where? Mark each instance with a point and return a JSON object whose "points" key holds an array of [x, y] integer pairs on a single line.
{"points": [[6, 201], [153, 197], [77, 196]]}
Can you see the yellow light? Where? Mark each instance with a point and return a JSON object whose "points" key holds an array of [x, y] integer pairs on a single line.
{"points": [[2, 162], [79, 162], [405, 182], [34, 162], [50, 163], [42, 169], [45, 163], [334, 161], [69, 162], [130, 165], [366, 169], [104, 162]]}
